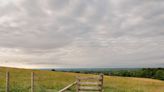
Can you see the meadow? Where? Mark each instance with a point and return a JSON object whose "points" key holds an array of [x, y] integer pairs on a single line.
{"points": [[50, 81]]}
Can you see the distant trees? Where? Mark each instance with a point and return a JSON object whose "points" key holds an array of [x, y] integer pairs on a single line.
{"points": [[155, 73], [53, 70], [159, 74]]}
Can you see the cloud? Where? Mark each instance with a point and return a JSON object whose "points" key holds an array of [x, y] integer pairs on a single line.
{"points": [[62, 33]]}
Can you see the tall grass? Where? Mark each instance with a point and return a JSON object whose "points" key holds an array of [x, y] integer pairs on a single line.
{"points": [[47, 81]]}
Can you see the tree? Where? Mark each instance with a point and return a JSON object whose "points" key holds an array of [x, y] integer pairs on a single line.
{"points": [[159, 74], [53, 70]]}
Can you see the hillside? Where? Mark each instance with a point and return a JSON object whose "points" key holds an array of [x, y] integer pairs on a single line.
{"points": [[47, 81]]}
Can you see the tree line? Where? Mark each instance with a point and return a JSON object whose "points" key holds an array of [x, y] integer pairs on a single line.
{"points": [[154, 73]]}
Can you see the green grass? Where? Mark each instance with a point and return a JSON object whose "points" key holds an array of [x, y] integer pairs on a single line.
{"points": [[47, 81]]}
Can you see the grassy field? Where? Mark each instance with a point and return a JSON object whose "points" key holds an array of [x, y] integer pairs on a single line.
{"points": [[47, 81]]}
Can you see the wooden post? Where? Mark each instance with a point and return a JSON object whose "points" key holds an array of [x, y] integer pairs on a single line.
{"points": [[7, 81], [32, 82], [102, 79], [77, 82]]}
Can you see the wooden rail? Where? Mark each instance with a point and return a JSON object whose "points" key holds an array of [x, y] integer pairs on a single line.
{"points": [[67, 87], [85, 84]]}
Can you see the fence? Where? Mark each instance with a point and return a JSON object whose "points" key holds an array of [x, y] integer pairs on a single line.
{"points": [[90, 84], [9, 78], [85, 84], [7, 81]]}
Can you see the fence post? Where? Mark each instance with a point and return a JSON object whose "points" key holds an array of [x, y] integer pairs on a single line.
{"points": [[32, 81], [77, 83], [7, 81], [102, 79]]}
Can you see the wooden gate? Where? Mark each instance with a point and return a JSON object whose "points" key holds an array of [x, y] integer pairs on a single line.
{"points": [[90, 84]]}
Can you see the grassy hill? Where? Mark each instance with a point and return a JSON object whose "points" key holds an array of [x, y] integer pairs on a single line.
{"points": [[47, 81]]}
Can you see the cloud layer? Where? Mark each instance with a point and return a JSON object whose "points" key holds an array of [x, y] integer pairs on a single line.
{"points": [[71, 33]]}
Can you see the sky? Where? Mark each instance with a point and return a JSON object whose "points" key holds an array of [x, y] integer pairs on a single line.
{"points": [[81, 33]]}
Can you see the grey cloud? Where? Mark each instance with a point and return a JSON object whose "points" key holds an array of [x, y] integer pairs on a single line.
{"points": [[108, 33], [58, 4], [41, 41], [150, 15], [32, 8]]}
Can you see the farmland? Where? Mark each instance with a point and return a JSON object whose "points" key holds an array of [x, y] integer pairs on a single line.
{"points": [[48, 81]]}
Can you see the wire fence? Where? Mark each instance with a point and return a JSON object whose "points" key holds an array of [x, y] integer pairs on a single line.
{"points": [[30, 82]]}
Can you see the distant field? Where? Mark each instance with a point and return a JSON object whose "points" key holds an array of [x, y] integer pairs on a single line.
{"points": [[47, 81]]}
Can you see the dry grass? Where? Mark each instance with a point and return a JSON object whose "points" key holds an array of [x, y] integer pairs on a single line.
{"points": [[47, 81]]}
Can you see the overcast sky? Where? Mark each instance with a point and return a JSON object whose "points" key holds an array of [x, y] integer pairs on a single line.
{"points": [[81, 33]]}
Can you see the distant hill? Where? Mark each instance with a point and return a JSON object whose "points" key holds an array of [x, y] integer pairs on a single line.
{"points": [[154, 73], [94, 69]]}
